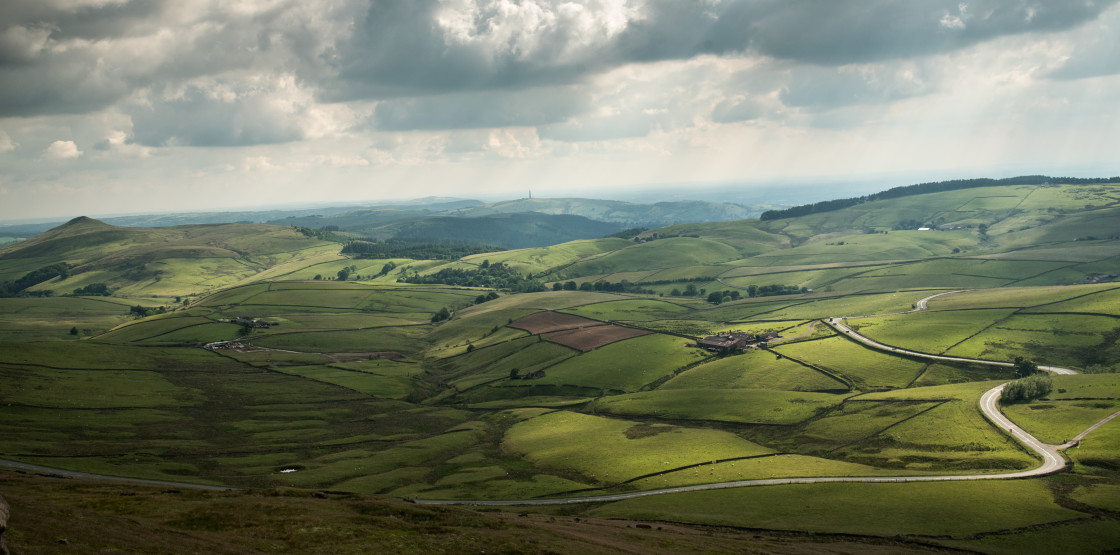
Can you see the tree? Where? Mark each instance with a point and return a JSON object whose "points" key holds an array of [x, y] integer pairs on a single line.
{"points": [[586, 286], [675, 292], [715, 297], [74, 330], [442, 315], [514, 374], [1024, 368], [570, 286], [344, 274], [246, 329], [690, 290], [470, 347], [318, 277], [388, 267], [558, 286]]}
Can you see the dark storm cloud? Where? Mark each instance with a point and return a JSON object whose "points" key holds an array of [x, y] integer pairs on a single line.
{"points": [[83, 58], [830, 32], [400, 49], [91, 22]]}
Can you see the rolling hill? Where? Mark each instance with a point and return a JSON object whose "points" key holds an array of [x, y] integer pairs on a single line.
{"points": [[167, 261], [286, 384]]}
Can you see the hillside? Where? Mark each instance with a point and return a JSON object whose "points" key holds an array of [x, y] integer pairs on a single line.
{"points": [[168, 261], [1025, 234], [869, 346]]}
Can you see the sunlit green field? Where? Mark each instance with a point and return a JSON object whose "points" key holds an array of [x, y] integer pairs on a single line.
{"points": [[354, 388], [626, 365], [732, 405]]}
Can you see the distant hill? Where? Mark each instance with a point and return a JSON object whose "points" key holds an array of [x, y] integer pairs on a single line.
{"points": [[626, 213], [513, 231], [932, 187], [969, 237], [158, 261], [416, 207]]}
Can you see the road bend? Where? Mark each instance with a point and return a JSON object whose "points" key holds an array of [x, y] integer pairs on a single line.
{"points": [[1052, 460], [838, 324]]}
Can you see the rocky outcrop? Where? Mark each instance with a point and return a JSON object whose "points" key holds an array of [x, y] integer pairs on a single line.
{"points": [[4, 511]]}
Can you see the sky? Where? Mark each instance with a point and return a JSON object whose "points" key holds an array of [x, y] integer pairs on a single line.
{"points": [[128, 106]]}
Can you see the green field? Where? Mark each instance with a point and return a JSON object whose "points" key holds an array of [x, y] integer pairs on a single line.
{"points": [[866, 369], [625, 365], [733, 405], [911, 509], [606, 450], [755, 370], [354, 391], [928, 332]]}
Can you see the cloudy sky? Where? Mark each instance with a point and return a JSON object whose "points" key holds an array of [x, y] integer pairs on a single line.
{"points": [[117, 106]]}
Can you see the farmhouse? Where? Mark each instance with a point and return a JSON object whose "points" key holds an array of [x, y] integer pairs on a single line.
{"points": [[725, 342]]}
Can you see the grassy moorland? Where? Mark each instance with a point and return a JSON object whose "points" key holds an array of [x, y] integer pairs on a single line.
{"points": [[368, 387]]}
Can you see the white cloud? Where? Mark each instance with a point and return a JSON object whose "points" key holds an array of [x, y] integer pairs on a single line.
{"points": [[62, 150], [6, 143]]}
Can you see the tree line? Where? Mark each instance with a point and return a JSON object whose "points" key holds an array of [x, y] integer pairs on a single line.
{"points": [[493, 276], [35, 277], [624, 286]]}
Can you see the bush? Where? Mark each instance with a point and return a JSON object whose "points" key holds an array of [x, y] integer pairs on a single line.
{"points": [[1027, 389]]}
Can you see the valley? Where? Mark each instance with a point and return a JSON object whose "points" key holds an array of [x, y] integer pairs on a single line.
{"points": [[897, 322]]}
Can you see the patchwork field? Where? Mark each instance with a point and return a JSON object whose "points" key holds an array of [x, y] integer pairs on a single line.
{"points": [[374, 387]]}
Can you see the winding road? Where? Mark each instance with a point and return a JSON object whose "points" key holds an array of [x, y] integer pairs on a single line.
{"points": [[1052, 459]]}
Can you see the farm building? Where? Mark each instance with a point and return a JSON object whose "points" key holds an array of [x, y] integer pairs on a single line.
{"points": [[729, 341], [725, 342]]}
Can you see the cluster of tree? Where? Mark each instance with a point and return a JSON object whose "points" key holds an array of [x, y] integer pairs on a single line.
{"points": [[416, 250], [492, 276], [1027, 389], [442, 315], [631, 233], [34, 277], [93, 290], [923, 188], [487, 297], [344, 274], [322, 233], [623, 286], [753, 290], [717, 297], [145, 310]]}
